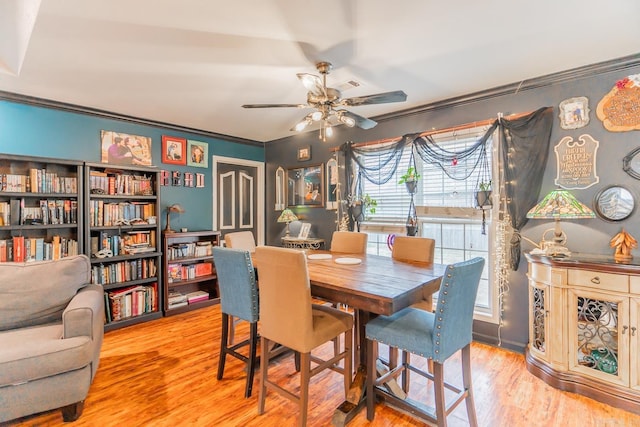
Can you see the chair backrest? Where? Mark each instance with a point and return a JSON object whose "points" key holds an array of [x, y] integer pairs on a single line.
{"points": [[349, 242], [285, 297], [241, 240], [410, 248], [453, 318], [237, 283]]}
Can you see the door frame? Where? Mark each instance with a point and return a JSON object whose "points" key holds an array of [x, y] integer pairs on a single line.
{"points": [[260, 191]]}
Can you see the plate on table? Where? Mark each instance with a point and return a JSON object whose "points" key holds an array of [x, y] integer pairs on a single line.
{"points": [[348, 261], [319, 256]]}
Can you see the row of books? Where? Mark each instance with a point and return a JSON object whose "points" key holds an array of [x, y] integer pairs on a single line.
{"points": [[26, 249], [129, 242], [178, 272], [177, 299], [123, 271], [189, 250], [130, 302], [38, 181], [104, 214], [119, 183], [59, 211]]}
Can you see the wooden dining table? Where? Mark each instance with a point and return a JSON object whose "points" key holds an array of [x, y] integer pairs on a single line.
{"points": [[376, 285]]}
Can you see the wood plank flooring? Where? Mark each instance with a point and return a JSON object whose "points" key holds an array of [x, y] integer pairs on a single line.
{"points": [[163, 373]]}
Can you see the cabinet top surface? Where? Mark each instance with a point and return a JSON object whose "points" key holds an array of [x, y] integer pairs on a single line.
{"points": [[587, 261]]}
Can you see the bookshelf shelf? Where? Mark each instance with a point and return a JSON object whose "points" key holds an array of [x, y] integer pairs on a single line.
{"points": [[189, 275], [40, 208], [122, 240]]}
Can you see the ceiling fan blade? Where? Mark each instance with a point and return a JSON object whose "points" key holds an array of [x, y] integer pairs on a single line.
{"points": [[378, 98], [275, 106], [312, 83], [361, 122]]}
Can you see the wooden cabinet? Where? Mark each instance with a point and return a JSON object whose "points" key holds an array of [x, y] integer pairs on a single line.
{"points": [[41, 215], [584, 316], [190, 280], [122, 239]]}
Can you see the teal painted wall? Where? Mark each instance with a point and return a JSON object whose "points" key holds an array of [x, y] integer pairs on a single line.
{"points": [[45, 132]]}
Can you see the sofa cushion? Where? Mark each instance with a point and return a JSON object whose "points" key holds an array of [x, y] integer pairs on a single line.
{"points": [[36, 293], [32, 353]]}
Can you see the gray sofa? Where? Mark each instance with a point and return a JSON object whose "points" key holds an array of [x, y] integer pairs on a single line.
{"points": [[51, 329]]}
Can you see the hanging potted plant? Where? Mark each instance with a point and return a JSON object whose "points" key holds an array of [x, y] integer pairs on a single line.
{"points": [[410, 179], [362, 207], [483, 195], [412, 226]]}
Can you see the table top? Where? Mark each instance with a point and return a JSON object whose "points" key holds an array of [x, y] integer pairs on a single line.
{"points": [[379, 284]]}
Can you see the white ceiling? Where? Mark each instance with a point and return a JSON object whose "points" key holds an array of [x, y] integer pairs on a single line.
{"points": [[195, 62]]}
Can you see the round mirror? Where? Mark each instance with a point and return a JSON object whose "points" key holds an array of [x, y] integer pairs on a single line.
{"points": [[614, 203]]}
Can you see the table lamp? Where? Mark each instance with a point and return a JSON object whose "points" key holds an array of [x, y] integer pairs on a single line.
{"points": [[287, 216], [172, 208], [558, 204]]}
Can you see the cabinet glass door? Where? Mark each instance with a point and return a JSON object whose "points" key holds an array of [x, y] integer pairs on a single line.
{"points": [[538, 296], [598, 333]]}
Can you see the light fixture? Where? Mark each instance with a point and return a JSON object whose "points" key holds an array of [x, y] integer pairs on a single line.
{"points": [[558, 204], [175, 208], [287, 216], [345, 118], [303, 123]]}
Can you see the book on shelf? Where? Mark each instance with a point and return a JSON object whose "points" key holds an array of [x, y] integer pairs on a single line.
{"points": [[203, 269], [197, 296]]}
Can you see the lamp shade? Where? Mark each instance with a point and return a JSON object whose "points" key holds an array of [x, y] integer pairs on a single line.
{"points": [[287, 216], [560, 204]]}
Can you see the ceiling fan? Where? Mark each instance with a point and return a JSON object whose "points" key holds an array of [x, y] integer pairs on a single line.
{"points": [[327, 102]]}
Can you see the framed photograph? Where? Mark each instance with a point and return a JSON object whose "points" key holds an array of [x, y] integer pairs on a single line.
{"points": [[304, 153], [199, 180], [124, 149], [198, 154], [188, 179], [574, 113], [305, 186], [174, 150], [305, 228]]}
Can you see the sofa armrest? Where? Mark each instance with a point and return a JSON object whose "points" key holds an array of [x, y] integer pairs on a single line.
{"points": [[84, 316]]}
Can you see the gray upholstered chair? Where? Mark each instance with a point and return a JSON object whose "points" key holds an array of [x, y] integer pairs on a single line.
{"points": [[240, 240], [351, 242], [435, 336], [288, 317], [238, 298], [51, 330]]}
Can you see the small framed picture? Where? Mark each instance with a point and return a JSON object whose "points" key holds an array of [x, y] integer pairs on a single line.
{"points": [[304, 153], [199, 180], [574, 113], [305, 228], [188, 179], [174, 150], [198, 154]]}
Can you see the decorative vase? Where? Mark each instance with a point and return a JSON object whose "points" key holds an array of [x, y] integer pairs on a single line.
{"points": [[411, 186], [483, 199]]}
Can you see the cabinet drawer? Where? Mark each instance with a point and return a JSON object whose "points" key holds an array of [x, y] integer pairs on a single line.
{"points": [[599, 280], [634, 284]]}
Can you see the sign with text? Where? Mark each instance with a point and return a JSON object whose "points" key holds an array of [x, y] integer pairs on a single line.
{"points": [[576, 162]]}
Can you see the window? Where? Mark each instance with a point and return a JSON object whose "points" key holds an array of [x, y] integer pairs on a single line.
{"points": [[446, 212]]}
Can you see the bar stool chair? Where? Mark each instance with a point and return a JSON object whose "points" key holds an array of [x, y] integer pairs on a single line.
{"points": [[435, 336], [288, 317], [239, 299], [351, 242]]}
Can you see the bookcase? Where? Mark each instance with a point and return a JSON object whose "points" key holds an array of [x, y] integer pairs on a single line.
{"points": [[190, 280], [40, 208], [122, 232]]}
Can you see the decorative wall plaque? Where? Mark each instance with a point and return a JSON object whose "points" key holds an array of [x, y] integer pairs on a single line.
{"points": [[619, 109], [574, 113], [576, 162]]}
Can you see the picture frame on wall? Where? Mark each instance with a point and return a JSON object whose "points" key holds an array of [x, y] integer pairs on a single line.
{"points": [[304, 153], [174, 150], [124, 149], [198, 153], [305, 186], [574, 112]]}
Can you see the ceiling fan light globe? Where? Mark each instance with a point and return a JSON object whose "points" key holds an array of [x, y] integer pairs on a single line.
{"points": [[317, 115], [329, 130], [300, 126]]}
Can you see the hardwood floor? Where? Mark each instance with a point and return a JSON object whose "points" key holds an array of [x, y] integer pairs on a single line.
{"points": [[163, 373]]}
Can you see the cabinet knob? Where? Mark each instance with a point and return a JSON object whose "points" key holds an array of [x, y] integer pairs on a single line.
{"points": [[596, 280], [624, 329], [633, 331]]}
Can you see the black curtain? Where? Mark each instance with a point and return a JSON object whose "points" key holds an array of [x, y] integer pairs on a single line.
{"points": [[525, 149]]}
